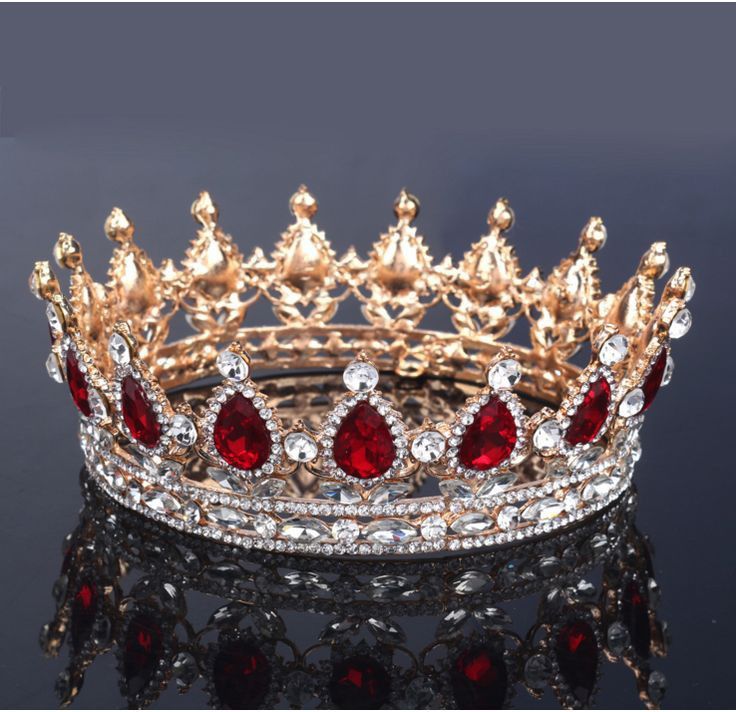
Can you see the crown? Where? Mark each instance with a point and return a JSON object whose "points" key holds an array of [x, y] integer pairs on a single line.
{"points": [[532, 443], [136, 590]]}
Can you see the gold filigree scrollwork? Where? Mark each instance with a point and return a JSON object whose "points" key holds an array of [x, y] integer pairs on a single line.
{"points": [[400, 280], [137, 291], [559, 308], [485, 295], [304, 278], [87, 297], [220, 287]]}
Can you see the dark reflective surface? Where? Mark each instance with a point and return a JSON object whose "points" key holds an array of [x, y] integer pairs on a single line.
{"points": [[557, 621]]}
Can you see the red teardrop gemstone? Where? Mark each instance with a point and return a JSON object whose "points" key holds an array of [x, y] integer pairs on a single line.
{"points": [[635, 614], [359, 682], [577, 658], [240, 435], [83, 611], [138, 413], [241, 675], [479, 679], [363, 445], [77, 383], [490, 438], [654, 379], [591, 414], [142, 652]]}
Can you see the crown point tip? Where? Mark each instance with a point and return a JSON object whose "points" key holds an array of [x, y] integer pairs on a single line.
{"points": [[67, 251], [303, 204], [501, 215], [406, 206], [204, 210], [594, 234], [118, 227]]}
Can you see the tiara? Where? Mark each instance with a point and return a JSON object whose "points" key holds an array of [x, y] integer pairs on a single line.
{"points": [[133, 588], [534, 444]]}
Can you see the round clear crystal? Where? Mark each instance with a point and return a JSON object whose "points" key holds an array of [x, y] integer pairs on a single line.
{"points": [[618, 638], [345, 531], [183, 430], [690, 288], [97, 404], [433, 527], [631, 403], [265, 526], [119, 349], [681, 323], [505, 374], [548, 435], [656, 686], [537, 671], [669, 369], [428, 446], [53, 315], [360, 376], [52, 368], [300, 447], [184, 668], [232, 366], [421, 694], [508, 518], [614, 350]]}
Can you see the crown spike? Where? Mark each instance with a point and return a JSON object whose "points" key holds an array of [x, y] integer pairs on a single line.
{"points": [[68, 252], [501, 216], [593, 235], [42, 282], [680, 285], [406, 207], [655, 262], [119, 228], [303, 204], [205, 210]]}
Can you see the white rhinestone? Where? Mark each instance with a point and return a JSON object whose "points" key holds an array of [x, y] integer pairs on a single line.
{"points": [[614, 350], [508, 518], [548, 435], [428, 446], [161, 501], [390, 492], [543, 510], [690, 289], [183, 430], [300, 447], [52, 368], [119, 349], [225, 517], [571, 501], [304, 531], [191, 513], [97, 404], [390, 532], [345, 531], [505, 374], [265, 526], [134, 491], [232, 365], [433, 527], [269, 488], [53, 315], [632, 403], [360, 376], [598, 488], [472, 523], [496, 485], [681, 323], [669, 369]]}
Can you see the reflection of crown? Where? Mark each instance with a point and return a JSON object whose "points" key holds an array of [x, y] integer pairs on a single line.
{"points": [[136, 588], [541, 444]]}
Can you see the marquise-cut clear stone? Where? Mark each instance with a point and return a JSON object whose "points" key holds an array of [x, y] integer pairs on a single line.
{"points": [[269, 488], [455, 489], [656, 686], [183, 430], [497, 485], [508, 518], [472, 523], [586, 459], [119, 349], [428, 446], [232, 366], [52, 368], [669, 369], [390, 532], [53, 317], [360, 376], [614, 350], [690, 288], [433, 527], [631, 403], [300, 447], [471, 582], [345, 531], [681, 324], [505, 374], [598, 488], [304, 531], [543, 510], [547, 436], [557, 469], [226, 517], [192, 513], [265, 526], [343, 494], [571, 501], [537, 671], [385, 494], [97, 404], [161, 501], [225, 479]]}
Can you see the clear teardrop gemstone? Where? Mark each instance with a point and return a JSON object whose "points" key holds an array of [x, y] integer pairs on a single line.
{"points": [[360, 376], [681, 324], [119, 349], [53, 369], [508, 518], [631, 403]]}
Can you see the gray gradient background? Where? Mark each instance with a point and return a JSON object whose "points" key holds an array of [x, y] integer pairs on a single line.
{"points": [[628, 112]]}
